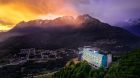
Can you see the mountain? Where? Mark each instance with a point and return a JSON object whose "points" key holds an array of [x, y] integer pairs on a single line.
{"points": [[135, 29], [135, 26], [69, 32], [132, 25]]}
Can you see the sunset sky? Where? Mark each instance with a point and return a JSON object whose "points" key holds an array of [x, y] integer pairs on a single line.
{"points": [[110, 11]]}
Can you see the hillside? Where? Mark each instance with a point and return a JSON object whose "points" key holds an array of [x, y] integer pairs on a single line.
{"points": [[79, 70], [51, 34], [127, 66], [132, 25]]}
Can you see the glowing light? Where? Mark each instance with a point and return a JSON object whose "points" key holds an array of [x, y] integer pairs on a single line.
{"points": [[49, 16], [15, 11], [15, 14], [4, 28]]}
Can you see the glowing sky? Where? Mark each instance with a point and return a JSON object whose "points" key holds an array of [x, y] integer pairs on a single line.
{"points": [[14, 11], [110, 11]]}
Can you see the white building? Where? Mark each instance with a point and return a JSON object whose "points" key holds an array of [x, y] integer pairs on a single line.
{"points": [[94, 57]]}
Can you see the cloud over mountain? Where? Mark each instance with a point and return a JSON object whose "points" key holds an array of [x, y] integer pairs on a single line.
{"points": [[110, 11]]}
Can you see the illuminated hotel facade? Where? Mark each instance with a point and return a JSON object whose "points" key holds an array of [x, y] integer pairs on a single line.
{"points": [[94, 57]]}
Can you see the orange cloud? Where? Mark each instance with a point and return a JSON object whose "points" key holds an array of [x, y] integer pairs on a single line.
{"points": [[15, 11], [23, 10]]}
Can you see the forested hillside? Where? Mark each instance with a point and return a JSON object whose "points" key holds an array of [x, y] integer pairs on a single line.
{"points": [[126, 67]]}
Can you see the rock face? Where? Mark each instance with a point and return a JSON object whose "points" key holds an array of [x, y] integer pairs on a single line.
{"points": [[67, 32]]}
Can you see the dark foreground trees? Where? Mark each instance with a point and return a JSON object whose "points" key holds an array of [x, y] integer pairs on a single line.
{"points": [[126, 67], [80, 70]]}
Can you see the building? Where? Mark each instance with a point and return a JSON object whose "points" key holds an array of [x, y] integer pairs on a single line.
{"points": [[95, 57]]}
